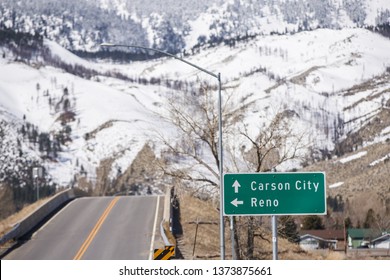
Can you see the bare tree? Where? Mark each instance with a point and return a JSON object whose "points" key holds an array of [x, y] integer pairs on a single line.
{"points": [[274, 144], [382, 222], [193, 156], [269, 148]]}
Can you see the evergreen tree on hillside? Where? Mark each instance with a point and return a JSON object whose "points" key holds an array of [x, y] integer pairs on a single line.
{"points": [[348, 223], [356, 10], [81, 25], [167, 38], [370, 220], [313, 222], [288, 229], [16, 167]]}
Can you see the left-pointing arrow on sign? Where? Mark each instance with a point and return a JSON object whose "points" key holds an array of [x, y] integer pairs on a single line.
{"points": [[237, 202]]}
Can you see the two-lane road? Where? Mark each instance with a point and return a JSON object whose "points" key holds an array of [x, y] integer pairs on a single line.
{"points": [[98, 228]]}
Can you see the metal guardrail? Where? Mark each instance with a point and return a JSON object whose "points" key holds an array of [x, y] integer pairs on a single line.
{"points": [[167, 217], [164, 236]]}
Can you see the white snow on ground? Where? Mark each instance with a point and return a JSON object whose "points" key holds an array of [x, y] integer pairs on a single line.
{"points": [[336, 185], [95, 104], [373, 8], [382, 137], [386, 131], [65, 55], [268, 75], [353, 157], [375, 162]]}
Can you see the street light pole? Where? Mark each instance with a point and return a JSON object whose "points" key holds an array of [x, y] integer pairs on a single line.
{"points": [[220, 150]]}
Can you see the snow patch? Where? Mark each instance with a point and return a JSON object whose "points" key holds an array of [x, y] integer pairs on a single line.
{"points": [[385, 158], [353, 157], [336, 185]]}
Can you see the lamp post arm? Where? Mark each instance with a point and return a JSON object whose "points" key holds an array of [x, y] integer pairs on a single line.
{"points": [[164, 53]]}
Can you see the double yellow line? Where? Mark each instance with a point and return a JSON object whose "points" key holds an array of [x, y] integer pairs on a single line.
{"points": [[95, 230]]}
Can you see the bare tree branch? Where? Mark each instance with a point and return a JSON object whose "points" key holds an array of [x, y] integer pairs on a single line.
{"points": [[194, 157]]}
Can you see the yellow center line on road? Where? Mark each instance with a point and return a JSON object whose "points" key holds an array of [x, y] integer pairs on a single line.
{"points": [[95, 230]]}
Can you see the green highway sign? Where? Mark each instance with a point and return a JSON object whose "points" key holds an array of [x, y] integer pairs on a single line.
{"points": [[274, 194]]}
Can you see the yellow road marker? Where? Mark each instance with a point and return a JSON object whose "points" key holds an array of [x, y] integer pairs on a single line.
{"points": [[95, 230], [164, 254]]}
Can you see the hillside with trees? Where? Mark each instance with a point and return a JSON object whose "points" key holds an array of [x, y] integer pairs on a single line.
{"points": [[82, 25]]}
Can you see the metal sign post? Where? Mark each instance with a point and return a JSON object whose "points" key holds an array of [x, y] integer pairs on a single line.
{"points": [[274, 237]]}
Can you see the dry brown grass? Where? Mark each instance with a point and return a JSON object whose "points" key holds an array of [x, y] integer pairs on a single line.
{"points": [[364, 186], [207, 237], [207, 244], [328, 255], [7, 223], [207, 240]]}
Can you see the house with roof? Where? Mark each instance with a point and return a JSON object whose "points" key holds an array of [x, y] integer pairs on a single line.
{"points": [[362, 237], [381, 242], [322, 239]]}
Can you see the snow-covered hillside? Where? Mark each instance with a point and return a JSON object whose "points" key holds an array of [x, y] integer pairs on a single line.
{"points": [[334, 81], [310, 73], [35, 95], [175, 26]]}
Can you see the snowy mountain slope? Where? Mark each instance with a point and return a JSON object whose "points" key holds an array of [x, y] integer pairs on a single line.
{"points": [[335, 82], [176, 26], [310, 72], [309, 77], [94, 105]]}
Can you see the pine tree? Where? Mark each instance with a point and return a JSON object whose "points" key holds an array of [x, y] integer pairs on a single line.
{"points": [[289, 229], [369, 222], [348, 223], [313, 222]]}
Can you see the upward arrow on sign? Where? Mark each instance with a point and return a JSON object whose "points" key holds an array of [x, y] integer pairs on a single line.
{"points": [[236, 185]]}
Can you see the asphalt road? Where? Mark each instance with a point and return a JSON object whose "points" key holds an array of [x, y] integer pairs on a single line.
{"points": [[98, 228]]}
